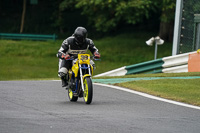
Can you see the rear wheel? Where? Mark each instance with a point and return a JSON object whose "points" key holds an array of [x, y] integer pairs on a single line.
{"points": [[71, 96], [88, 90]]}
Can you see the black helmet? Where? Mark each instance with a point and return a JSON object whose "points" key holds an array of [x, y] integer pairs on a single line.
{"points": [[80, 35]]}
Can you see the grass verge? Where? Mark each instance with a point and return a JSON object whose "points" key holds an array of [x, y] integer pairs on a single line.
{"points": [[182, 90]]}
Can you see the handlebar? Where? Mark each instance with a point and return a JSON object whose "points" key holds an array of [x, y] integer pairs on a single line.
{"points": [[72, 58]]}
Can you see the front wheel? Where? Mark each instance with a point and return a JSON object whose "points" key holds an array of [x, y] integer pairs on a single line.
{"points": [[88, 90], [71, 96]]}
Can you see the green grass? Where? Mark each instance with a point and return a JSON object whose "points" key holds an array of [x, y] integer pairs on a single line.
{"points": [[182, 90], [37, 59], [28, 59], [127, 49]]}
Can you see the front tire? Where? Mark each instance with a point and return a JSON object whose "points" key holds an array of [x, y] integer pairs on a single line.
{"points": [[71, 96], [88, 90]]}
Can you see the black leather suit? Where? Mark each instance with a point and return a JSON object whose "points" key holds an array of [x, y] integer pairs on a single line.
{"points": [[71, 47]]}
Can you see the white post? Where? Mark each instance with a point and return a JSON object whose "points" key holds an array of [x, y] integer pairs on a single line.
{"points": [[177, 26], [156, 49]]}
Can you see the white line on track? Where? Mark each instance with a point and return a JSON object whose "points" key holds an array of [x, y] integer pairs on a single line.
{"points": [[147, 95], [150, 96]]}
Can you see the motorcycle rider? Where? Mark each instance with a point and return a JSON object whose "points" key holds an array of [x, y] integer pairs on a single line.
{"points": [[78, 43]]}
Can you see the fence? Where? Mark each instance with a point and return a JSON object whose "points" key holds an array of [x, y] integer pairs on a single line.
{"points": [[189, 26], [16, 36]]}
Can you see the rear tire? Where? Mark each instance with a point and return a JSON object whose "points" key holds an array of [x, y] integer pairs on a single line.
{"points": [[88, 90], [71, 96]]}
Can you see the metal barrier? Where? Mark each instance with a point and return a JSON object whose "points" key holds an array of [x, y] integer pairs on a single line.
{"points": [[171, 64], [154, 66], [16, 36]]}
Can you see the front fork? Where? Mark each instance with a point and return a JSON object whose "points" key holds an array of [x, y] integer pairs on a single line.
{"points": [[83, 76]]}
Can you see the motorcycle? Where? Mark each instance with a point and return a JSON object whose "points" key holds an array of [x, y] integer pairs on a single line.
{"points": [[79, 79]]}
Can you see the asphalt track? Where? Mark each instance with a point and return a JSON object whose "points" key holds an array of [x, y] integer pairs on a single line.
{"points": [[43, 107]]}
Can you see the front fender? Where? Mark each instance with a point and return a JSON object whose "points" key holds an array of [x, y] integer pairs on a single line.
{"points": [[86, 75]]}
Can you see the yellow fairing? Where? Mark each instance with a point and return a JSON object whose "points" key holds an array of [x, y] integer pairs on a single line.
{"points": [[84, 58], [75, 68]]}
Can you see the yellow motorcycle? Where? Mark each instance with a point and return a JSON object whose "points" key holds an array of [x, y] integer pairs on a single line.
{"points": [[79, 79]]}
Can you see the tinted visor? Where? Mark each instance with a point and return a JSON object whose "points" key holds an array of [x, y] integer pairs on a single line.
{"points": [[80, 39]]}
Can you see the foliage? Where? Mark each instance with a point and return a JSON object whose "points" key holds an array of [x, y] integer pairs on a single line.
{"points": [[168, 7], [63, 16], [105, 15]]}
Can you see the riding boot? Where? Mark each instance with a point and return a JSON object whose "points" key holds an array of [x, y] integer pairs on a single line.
{"points": [[64, 81]]}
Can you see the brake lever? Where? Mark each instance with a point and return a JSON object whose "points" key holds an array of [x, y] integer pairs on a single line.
{"points": [[96, 59], [71, 58]]}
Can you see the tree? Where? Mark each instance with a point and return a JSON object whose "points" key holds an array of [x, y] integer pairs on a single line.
{"points": [[105, 15], [167, 19]]}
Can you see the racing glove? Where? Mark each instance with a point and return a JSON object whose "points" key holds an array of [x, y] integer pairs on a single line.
{"points": [[96, 55], [65, 56]]}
